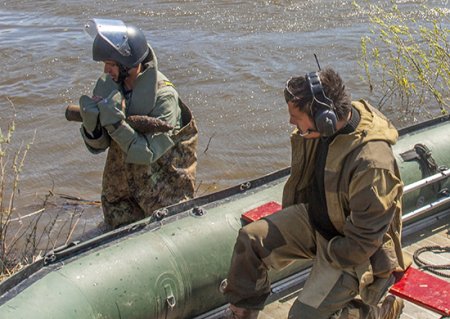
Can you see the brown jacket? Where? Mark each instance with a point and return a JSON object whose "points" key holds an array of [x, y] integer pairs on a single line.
{"points": [[363, 194]]}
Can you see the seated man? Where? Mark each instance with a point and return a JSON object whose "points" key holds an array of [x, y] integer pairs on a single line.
{"points": [[341, 209]]}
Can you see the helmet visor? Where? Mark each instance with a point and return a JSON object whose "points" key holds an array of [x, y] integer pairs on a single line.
{"points": [[112, 31]]}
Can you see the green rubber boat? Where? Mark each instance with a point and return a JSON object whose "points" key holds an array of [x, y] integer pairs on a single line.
{"points": [[172, 264]]}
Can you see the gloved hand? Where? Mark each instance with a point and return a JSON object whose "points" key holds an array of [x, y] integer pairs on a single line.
{"points": [[89, 113], [110, 109]]}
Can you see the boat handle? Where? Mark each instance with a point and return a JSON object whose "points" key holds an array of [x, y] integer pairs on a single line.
{"points": [[170, 299]]}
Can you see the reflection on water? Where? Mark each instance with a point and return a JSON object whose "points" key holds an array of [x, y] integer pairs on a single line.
{"points": [[229, 61]]}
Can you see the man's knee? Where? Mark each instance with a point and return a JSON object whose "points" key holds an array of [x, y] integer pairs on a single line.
{"points": [[256, 229], [262, 236]]}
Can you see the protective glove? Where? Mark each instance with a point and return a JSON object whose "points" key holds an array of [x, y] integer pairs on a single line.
{"points": [[110, 109], [89, 113]]}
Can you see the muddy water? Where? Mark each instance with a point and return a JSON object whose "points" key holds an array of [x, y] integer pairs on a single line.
{"points": [[228, 59]]}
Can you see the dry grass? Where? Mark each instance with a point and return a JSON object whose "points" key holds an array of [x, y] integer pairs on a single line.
{"points": [[27, 236]]}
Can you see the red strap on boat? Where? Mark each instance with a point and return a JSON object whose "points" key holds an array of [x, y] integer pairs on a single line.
{"points": [[261, 211], [424, 290]]}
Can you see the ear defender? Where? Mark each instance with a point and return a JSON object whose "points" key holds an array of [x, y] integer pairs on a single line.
{"points": [[322, 107]]}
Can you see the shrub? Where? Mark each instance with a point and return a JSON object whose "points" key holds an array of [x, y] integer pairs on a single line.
{"points": [[406, 61], [11, 164], [26, 237]]}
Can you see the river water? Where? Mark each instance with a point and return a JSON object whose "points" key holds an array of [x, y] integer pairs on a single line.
{"points": [[228, 59]]}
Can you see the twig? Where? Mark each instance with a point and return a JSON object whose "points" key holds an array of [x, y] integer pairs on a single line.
{"points": [[26, 216], [71, 230], [79, 199], [209, 141], [50, 194], [198, 187]]}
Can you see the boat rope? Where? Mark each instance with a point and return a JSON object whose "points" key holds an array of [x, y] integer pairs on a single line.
{"points": [[433, 268]]}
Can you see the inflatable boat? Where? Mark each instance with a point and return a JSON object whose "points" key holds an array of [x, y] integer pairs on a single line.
{"points": [[171, 265]]}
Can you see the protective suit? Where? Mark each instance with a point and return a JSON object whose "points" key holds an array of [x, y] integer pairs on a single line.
{"points": [[143, 172]]}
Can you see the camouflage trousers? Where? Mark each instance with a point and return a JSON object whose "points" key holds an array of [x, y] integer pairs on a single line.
{"points": [[275, 242], [131, 192]]}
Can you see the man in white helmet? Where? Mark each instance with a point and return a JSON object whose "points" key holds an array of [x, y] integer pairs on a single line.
{"points": [[143, 171]]}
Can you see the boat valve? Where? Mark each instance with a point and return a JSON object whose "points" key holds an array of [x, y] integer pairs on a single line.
{"points": [[245, 186], [160, 213], [198, 211]]}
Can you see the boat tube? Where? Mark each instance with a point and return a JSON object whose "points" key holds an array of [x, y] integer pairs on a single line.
{"points": [[171, 265]]}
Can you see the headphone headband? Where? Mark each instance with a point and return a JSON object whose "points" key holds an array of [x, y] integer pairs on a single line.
{"points": [[322, 107], [317, 90]]}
